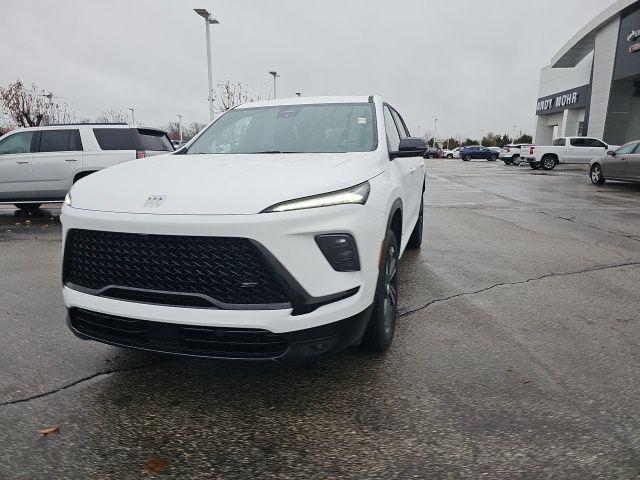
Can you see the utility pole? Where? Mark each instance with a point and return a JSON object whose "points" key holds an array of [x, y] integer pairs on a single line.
{"points": [[208, 20], [133, 115], [275, 75], [180, 126], [435, 129]]}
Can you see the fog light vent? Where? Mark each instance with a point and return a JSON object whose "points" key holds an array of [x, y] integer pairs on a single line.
{"points": [[340, 251]]}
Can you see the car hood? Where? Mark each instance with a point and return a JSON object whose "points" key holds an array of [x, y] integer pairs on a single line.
{"points": [[219, 184]]}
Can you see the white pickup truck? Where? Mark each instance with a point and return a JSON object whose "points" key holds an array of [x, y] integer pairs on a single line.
{"points": [[564, 150]]}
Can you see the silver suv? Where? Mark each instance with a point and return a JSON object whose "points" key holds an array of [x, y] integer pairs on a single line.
{"points": [[39, 164]]}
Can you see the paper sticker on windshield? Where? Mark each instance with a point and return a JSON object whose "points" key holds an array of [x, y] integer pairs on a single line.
{"points": [[362, 120]]}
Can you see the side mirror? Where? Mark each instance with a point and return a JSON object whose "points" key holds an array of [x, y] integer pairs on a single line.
{"points": [[611, 153], [410, 147]]}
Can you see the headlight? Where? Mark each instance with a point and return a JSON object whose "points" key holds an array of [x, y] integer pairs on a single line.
{"points": [[67, 199], [357, 194]]}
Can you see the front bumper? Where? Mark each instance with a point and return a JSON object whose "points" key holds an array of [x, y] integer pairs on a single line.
{"points": [[288, 236], [218, 343]]}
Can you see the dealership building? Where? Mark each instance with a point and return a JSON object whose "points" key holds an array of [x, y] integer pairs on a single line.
{"points": [[592, 86]]}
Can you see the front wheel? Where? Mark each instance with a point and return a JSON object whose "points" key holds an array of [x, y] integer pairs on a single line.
{"points": [[516, 160], [449, 156], [493, 158], [466, 158], [382, 324], [597, 178]]}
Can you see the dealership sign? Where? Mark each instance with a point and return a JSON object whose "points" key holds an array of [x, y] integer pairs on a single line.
{"points": [[575, 98]]}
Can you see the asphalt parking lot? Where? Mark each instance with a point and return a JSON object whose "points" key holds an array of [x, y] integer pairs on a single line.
{"points": [[517, 356]]}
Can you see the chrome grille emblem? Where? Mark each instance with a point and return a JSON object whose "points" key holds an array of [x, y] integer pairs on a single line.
{"points": [[154, 201]]}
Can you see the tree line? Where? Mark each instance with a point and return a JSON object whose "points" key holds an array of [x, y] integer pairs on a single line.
{"points": [[31, 106]]}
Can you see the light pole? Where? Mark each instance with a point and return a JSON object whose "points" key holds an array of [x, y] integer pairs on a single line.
{"points": [[435, 129], [275, 75], [513, 139], [419, 129], [208, 20], [481, 137], [133, 115], [180, 126], [298, 94]]}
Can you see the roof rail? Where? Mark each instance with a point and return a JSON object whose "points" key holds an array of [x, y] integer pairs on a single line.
{"points": [[83, 123]]}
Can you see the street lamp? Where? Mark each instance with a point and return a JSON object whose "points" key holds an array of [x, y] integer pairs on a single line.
{"points": [[419, 129], [298, 94], [180, 126], [435, 129], [513, 139], [133, 115], [275, 75], [208, 20]]}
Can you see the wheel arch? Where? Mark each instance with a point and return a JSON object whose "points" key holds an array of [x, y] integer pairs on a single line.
{"points": [[394, 221]]}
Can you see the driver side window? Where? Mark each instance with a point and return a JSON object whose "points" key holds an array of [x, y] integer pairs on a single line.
{"points": [[17, 143]]}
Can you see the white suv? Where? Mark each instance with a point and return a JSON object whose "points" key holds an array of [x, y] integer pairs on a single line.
{"points": [[39, 164], [275, 234]]}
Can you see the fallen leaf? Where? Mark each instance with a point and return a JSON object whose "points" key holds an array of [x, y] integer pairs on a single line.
{"points": [[50, 430], [154, 466]]}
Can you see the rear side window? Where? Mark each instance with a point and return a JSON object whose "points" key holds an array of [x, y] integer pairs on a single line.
{"points": [[155, 140], [60, 141], [115, 138], [592, 142], [579, 142], [561, 142], [17, 143]]}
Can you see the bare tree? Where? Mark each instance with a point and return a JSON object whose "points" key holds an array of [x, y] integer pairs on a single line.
{"points": [[230, 94], [192, 130], [173, 130], [26, 106], [111, 116]]}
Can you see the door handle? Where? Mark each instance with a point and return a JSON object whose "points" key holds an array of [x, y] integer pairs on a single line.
{"points": [[71, 160], [22, 162], [412, 170]]}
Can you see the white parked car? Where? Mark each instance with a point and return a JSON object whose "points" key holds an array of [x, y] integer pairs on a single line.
{"points": [[565, 150], [39, 164], [275, 234], [510, 154], [447, 153]]}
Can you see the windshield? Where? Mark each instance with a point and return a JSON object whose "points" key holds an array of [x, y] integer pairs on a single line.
{"points": [[323, 128]]}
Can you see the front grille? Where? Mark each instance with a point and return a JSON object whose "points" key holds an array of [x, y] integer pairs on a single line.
{"points": [[181, 339], [171, 269]]}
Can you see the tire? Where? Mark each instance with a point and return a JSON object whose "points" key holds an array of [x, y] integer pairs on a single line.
{"points": [[492, 158], [415, 241], [28, 207], [596, 175], [548, 162], [516, 160], [382, 324], [449, 156], [466, 158], [534, 166], [507, 162]]}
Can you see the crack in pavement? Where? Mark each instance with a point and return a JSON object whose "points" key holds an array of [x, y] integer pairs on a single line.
{"points": [[596, 268], [79, 381]]}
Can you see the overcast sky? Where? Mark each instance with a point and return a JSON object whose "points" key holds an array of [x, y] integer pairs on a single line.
{"points": [[473, 64]]}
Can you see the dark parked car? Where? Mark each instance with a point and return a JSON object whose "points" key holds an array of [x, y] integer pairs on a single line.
{"points": [[432, 152], [467, 153]]}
